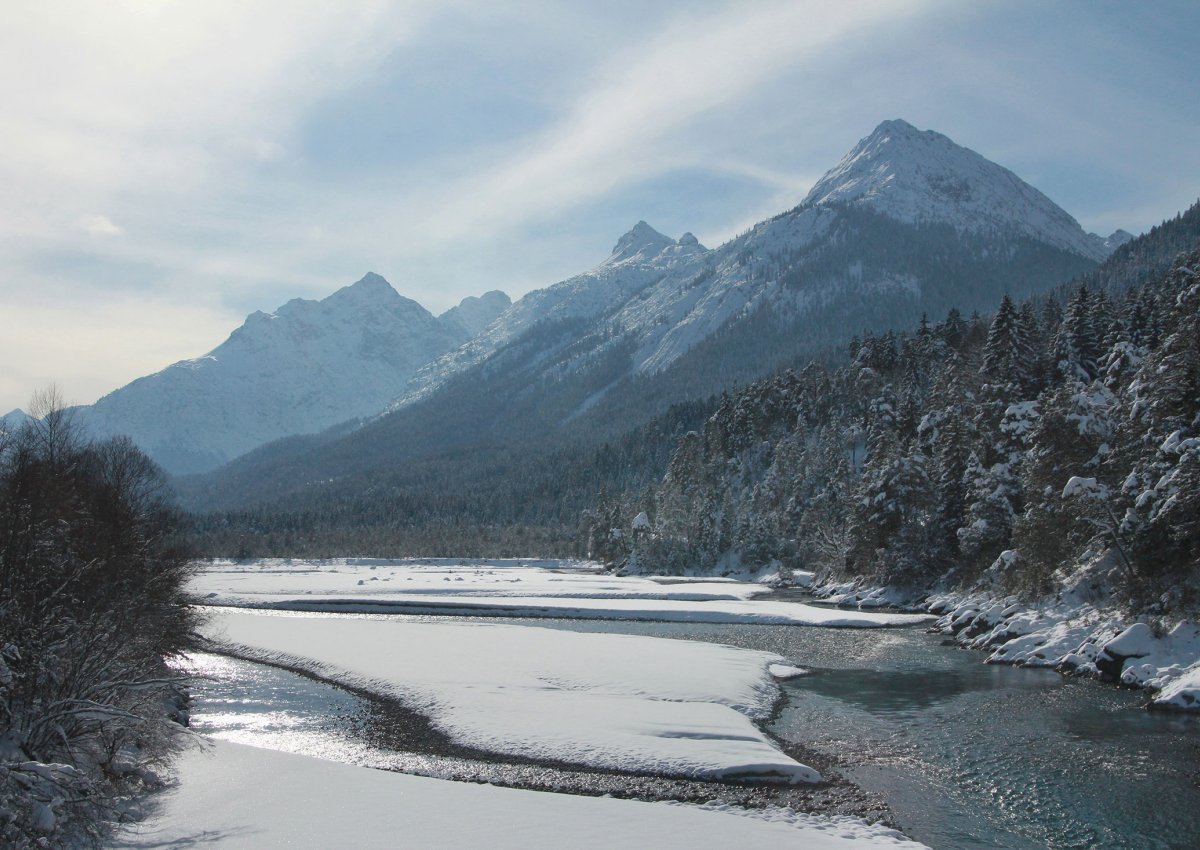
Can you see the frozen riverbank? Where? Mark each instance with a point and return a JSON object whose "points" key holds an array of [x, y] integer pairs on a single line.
{"points": [[233, 796], [508, 589], [1060, 634]]}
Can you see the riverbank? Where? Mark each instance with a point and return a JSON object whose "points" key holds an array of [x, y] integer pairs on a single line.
{"points": [[1061, 634]]}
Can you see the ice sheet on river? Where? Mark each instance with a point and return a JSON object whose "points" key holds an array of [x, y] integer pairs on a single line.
{"points": [[623, 702], [234, 796], [509, 589]]}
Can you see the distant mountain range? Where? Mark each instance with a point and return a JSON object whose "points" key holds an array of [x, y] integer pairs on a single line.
{"points": [[908, 223]]}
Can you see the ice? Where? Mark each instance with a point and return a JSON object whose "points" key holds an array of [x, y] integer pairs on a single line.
{"points": [[623, 702], [233, 796]]}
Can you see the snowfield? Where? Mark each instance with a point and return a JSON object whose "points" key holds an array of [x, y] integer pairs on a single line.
{"points": [[629, 703], [233, 796], [508, 589]]}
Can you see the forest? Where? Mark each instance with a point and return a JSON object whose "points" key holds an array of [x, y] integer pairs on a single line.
{"points": [[1058, 441]]}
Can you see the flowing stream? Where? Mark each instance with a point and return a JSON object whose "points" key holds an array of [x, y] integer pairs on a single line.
{"points": [[965, 755]]}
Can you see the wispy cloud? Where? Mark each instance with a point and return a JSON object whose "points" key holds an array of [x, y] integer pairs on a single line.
{"points": [[195, 157], [614, 133]]}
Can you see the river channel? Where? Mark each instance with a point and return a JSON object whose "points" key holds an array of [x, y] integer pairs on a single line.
{"points": [[956, 753]]}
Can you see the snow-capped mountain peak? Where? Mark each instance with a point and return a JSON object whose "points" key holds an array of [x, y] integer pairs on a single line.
{"points": [[641, 240], [303, 368], [920, 176]]}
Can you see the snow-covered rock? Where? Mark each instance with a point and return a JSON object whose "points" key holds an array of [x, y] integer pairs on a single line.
{"points": [[1078, 638]]}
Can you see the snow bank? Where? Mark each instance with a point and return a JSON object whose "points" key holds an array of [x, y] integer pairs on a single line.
{"points": [[508, 589], [366, 577], [233, 796], [1081, 639], [622, 702]]}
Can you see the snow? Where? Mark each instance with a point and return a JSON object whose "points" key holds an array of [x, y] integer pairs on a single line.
{"points": [[621, 702], [1079, 638], [1183, 692], [922, 176], [234, 796], [508, 589]]}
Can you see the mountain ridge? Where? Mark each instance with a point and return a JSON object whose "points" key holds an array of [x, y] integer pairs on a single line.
{"points": [[307, 366], [664, 320]]}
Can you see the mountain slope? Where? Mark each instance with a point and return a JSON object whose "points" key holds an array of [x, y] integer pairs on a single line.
{"points": [[663, 321], [641, 257], [305, 367]]}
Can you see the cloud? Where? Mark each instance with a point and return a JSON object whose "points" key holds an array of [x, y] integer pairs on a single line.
{"points": [[99, 225], [614, 133], [143, 101]]}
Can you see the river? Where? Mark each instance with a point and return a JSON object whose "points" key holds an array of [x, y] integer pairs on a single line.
{"points": [[961, 754]]}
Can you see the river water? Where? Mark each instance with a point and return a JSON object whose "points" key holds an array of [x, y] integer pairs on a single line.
{"points": [[963, 754]]}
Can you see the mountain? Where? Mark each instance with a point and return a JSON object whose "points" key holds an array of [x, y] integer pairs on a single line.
{"points": [[908, 223], [641, 257], [916, 176], [13, 421], [304, 368], [472, 314]]}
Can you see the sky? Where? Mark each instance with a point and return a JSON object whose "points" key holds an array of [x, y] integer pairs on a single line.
{"points": [[167, 167]]}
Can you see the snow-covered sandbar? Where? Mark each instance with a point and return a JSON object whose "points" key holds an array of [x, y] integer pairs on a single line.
{"points": [[623, 702], [233, 796], [509, 589]]}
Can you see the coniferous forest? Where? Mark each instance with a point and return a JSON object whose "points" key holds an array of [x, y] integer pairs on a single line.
{"points": [[938, 457], [1059, 435]]}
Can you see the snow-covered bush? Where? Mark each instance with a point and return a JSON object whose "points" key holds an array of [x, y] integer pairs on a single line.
{"points": [[91, 573]]}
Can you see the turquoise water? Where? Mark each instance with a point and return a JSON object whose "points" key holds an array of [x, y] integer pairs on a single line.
{"points": [[972, 755]]}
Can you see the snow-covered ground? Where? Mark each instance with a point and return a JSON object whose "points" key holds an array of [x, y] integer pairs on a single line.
{"points": [[1079, 638], [642, 705], [234, 796], [510, 589], [630, 703], [1063, 633]]}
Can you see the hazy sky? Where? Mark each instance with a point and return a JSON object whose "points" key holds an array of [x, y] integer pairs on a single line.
{"points": [[168, 167]]}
